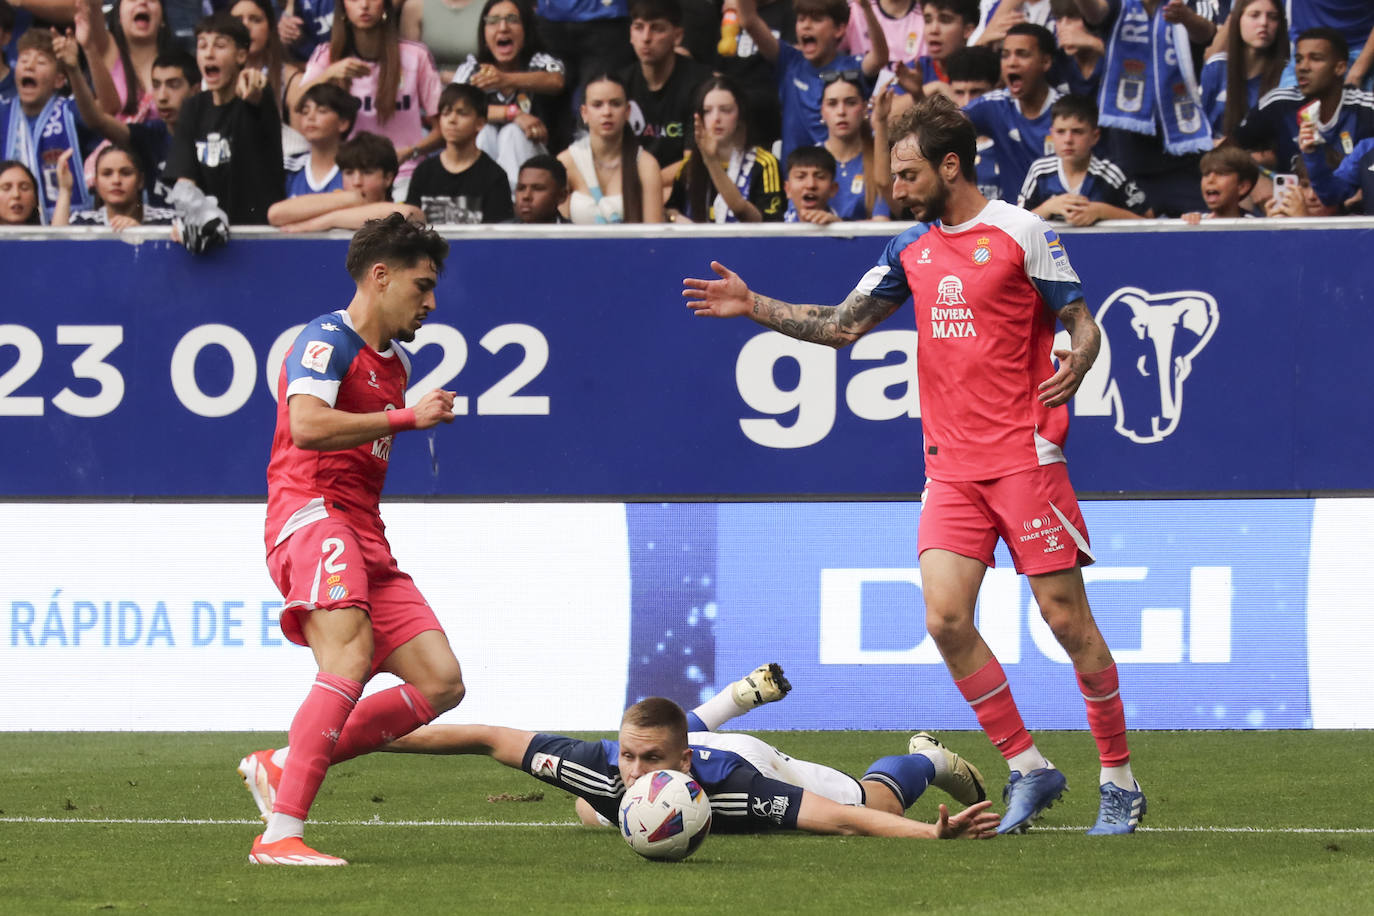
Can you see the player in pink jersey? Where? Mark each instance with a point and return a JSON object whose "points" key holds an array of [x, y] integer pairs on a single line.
{"points": [[341, 401], [988, 282]]}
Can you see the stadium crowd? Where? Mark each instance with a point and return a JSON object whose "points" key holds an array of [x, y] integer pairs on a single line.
{"points": [[309, 116]]}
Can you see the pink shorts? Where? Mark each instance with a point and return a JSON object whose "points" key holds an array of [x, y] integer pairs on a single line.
{"points": [[1034, 511], [331, 564]]}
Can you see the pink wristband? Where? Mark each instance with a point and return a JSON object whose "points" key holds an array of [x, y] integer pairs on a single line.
{"points": [[401, 420]]}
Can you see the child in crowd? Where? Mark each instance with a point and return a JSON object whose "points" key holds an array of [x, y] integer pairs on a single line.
{"points": [[947, 27], [368, 166], [325, 114], [521, 82], [1018, 117], [1078, 66], [461, 184], [1074, 185], [228, 138], [723, 179], [118, 194], [810, 186], [820, 26], [540, 190], [18, 195], [850, 142], [612, 179], [1228, 176], [174, 75], [37, 126]]}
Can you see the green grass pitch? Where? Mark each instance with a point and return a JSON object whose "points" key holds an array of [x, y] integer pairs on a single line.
{"points": [[1239, 822]]}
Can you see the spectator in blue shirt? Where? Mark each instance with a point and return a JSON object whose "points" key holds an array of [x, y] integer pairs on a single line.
{"points": [[820, 27], [1073, 184], [1018, 117]]}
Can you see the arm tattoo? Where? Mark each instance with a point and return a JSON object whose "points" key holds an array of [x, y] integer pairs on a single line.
{"points": [[1084, 335], [832, 325]]}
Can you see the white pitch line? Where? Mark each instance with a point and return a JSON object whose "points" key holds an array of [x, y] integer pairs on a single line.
{"points": [[209, 822]]}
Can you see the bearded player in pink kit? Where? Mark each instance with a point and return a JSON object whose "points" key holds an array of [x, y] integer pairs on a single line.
{"points": [[341, 401], [988, 281]]}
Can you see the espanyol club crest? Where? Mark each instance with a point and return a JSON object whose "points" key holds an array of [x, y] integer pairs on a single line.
{"points": [[982, 252]]}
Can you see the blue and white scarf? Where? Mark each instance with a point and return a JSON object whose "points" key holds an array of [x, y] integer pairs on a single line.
{"points": [[1142, 89], [55, 131], [740, 171]]}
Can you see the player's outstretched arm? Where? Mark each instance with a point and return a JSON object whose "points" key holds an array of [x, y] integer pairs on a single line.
{"points": [[1085, 338], [318, 427], [832, 325], [821, 815], [504, 745]]}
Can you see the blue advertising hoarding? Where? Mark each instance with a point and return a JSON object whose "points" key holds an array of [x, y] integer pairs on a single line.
{"points": [[1234, 362]]}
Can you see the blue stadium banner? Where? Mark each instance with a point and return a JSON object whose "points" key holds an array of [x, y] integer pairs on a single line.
{"points": [[1233, 361]]}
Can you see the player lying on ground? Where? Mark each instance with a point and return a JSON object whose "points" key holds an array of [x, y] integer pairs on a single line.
{"points": [[745, 797]]}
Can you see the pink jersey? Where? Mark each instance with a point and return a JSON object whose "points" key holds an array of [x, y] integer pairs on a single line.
{"points": [[331, 362], [417, 96], [905, 36], [986, 295]]}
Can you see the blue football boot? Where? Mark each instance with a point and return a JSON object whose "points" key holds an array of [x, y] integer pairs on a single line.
{"points": [[1121, 810], [1027, 797]]}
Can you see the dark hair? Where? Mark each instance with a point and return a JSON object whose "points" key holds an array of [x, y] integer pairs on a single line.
{"points": [[165, 42], [6, 17], [649, 10], [1237, 79], [222, 23], [394, 240], [275, 51], [973, 63], [939, 128], [865, 139], [657, 712], [1075, 106], [138, 165], [366, 151], [342, 44], [459, 92], [835, 10], [7, 164], [631, 192], [966, 10], [696, 180], [1043, 36], [1229, 159], [181, 60], [531, 46], [327, 95], [548, 164], [815, 157], [1340, 48]]}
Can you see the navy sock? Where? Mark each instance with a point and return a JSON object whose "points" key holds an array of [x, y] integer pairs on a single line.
{"points": [[694, 723], [907, 775]]}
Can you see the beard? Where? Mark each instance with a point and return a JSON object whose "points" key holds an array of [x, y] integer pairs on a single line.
{"points": [[929, 210]]}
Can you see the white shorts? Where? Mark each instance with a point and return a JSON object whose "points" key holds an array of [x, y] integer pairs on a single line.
{"points": [[813, 777]]}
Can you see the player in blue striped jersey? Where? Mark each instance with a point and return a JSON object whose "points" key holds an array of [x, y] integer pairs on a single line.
{"points": [[1073, 184], [745, 797]]}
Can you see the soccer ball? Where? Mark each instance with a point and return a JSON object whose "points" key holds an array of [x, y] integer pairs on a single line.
{"points": [[665, 815]]}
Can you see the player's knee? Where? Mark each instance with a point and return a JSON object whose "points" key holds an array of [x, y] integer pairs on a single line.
{"points": [[948, 627], [445, 692], [1068, 620]]}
